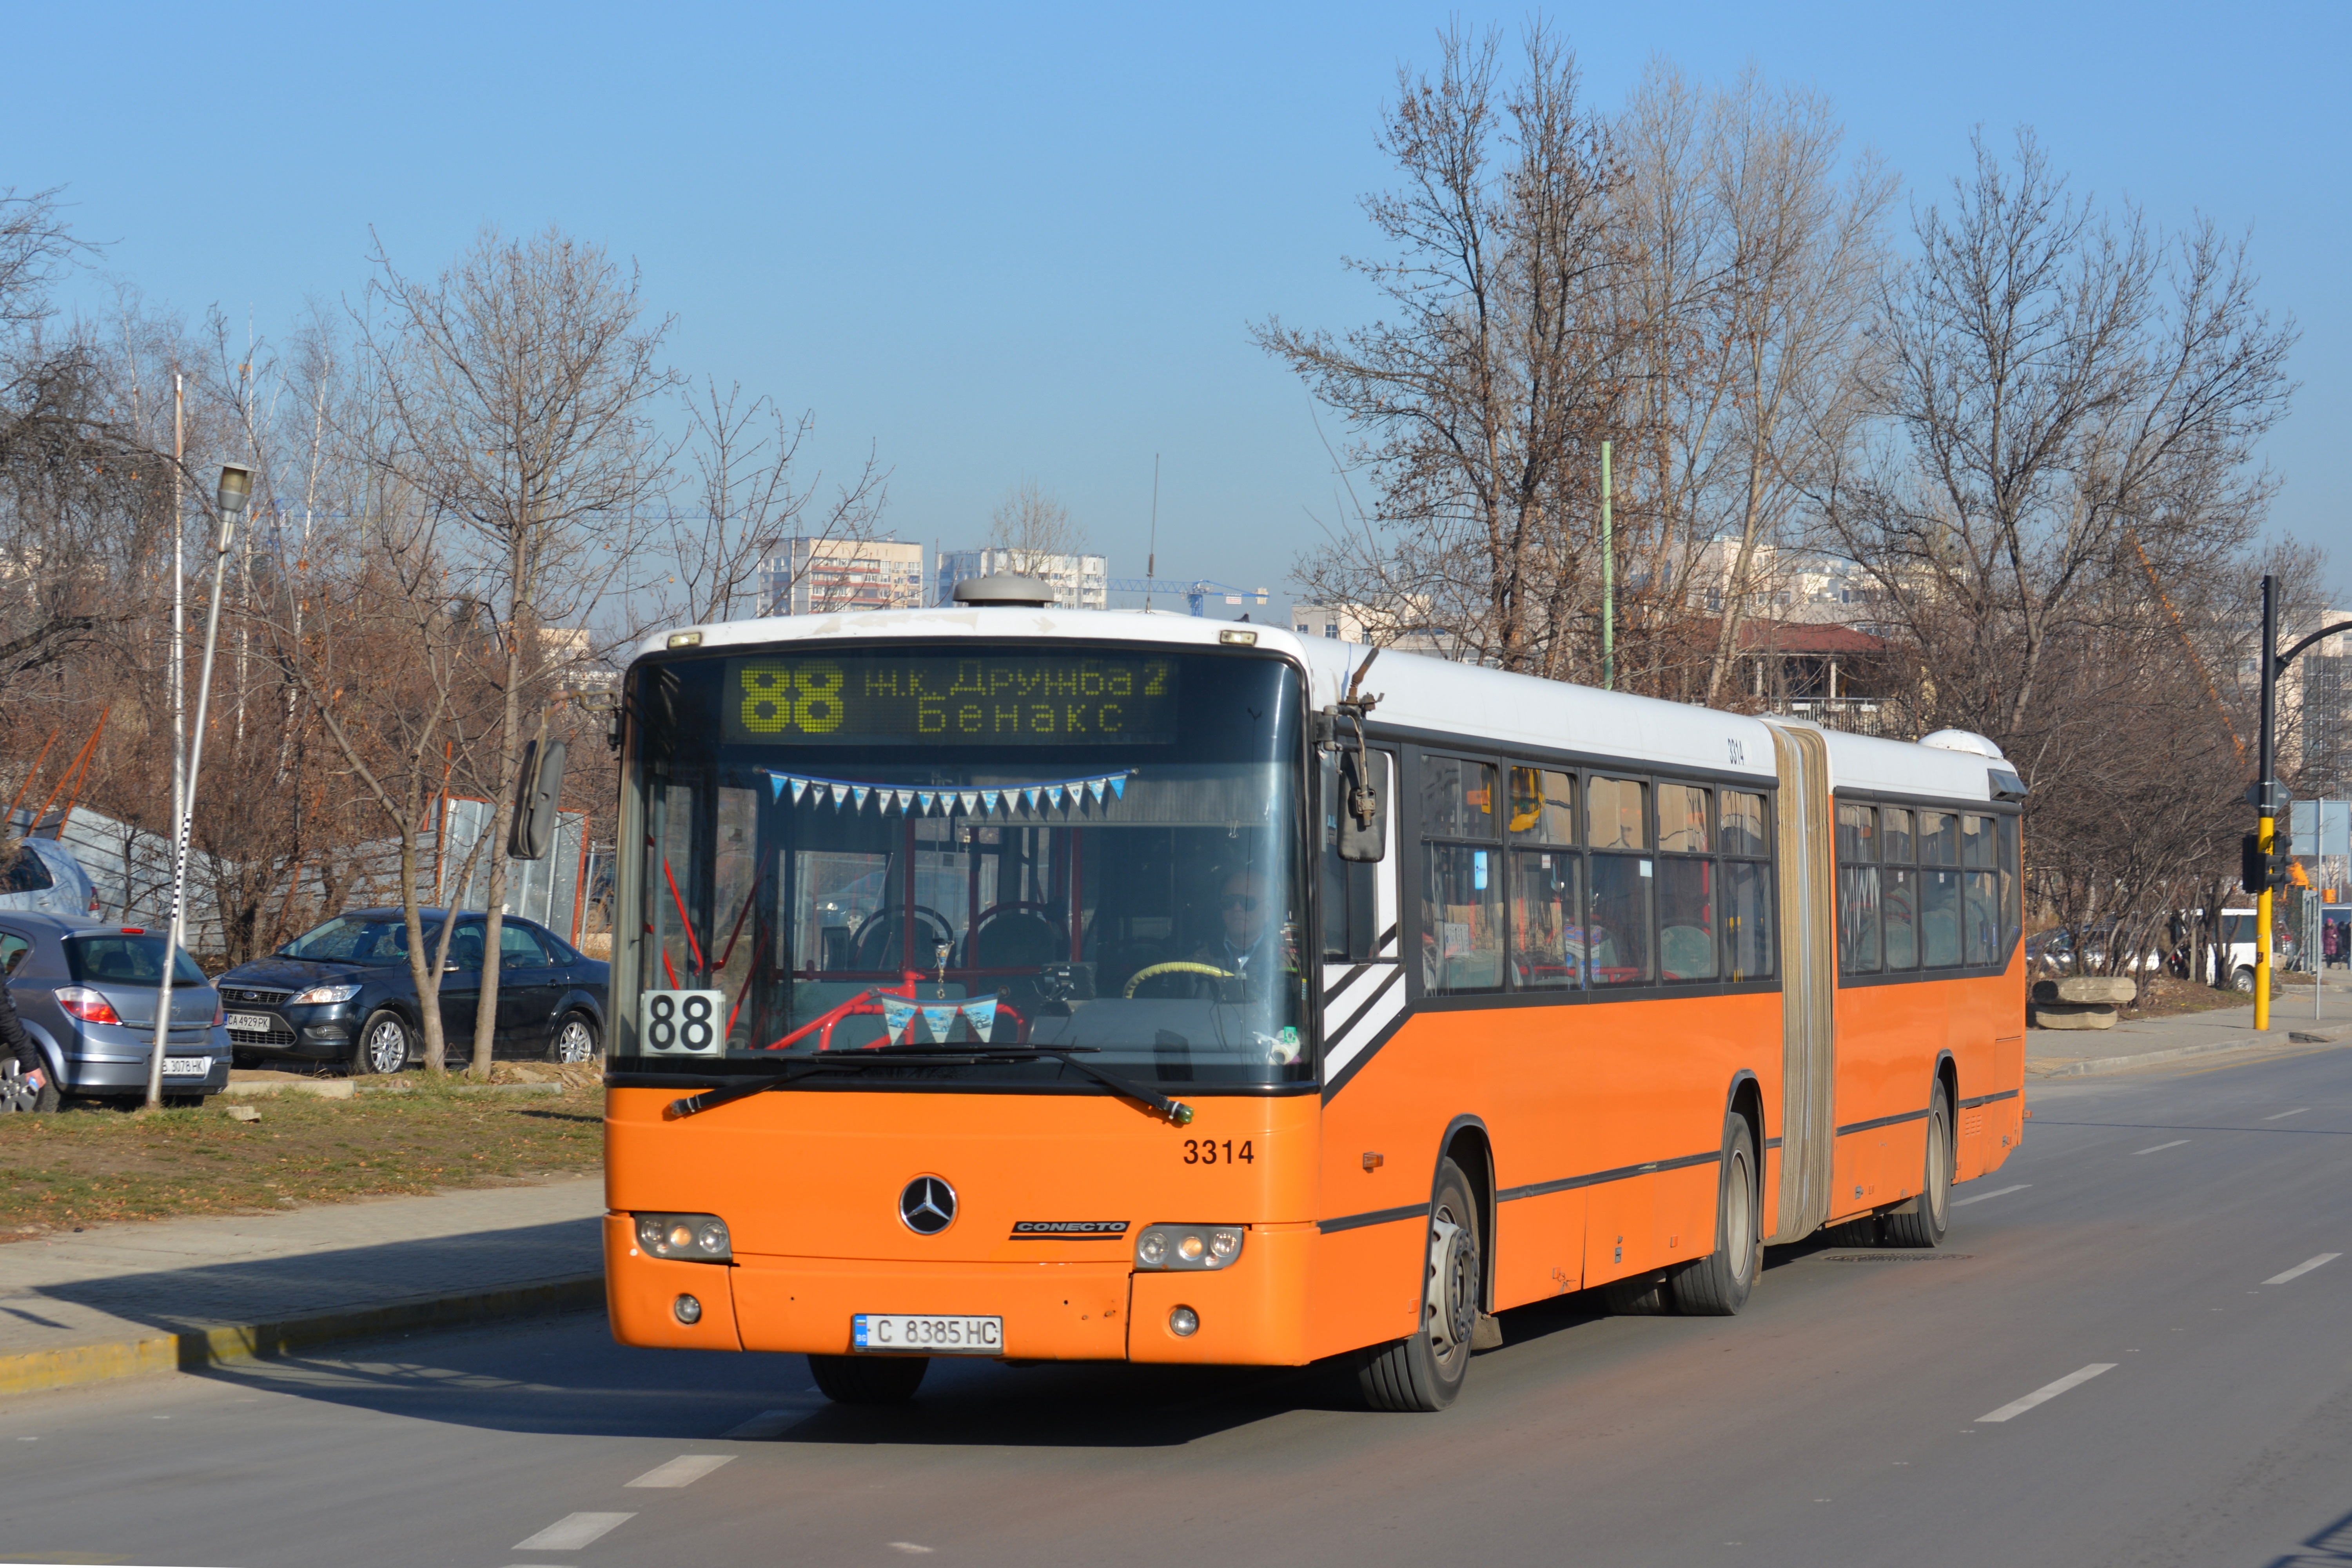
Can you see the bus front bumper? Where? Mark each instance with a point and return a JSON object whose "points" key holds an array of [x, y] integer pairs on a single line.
{"points": [[1081, 1310]]}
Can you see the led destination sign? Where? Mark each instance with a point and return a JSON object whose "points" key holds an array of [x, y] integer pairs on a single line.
{"points": [[1007, 698]]}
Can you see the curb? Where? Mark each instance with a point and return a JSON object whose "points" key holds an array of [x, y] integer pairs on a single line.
{"points": [[30, 1371], [2089, 1066]]}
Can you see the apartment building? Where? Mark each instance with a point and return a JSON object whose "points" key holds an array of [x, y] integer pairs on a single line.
{"points": [[1079, 582], [825, 576]]}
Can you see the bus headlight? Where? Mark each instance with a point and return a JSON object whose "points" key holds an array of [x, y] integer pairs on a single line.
{"points": [[697, 1237], [1188, 1245]]}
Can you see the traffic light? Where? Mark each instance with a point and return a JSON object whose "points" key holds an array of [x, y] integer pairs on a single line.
{"points": [[2274, 872]]}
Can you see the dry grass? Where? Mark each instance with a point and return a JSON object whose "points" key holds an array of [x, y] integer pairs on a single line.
{"points": [[91, 1165]]}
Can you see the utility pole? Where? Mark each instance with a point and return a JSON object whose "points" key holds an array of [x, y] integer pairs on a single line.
{"points": [[2266, 802], [177, 684], [1608, 584]]}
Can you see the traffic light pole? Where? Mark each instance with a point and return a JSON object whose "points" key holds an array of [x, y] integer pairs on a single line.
{"points": [[2266, 803]]}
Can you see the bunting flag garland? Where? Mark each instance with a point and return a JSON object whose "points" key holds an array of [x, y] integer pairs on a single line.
{"points": [[940, 1018], [1061, 794]]}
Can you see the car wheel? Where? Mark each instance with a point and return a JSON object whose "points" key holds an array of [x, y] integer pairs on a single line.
{"points": [[383, 1045], [573, 1042], [2243, 980], [244, 1059]]}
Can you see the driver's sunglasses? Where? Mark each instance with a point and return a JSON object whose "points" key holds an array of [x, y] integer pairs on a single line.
{"points": [[1246, 902]]}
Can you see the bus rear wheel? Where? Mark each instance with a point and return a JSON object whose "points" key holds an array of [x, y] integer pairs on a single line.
{"points": [[1717, 1285], [1425, 1370], [1923, 1221], [868, 1379]]}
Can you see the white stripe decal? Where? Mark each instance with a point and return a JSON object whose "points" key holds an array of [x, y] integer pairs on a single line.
{"points": [[1338, 1053]]}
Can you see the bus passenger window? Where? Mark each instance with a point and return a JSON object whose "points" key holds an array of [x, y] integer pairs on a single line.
{"points": [[1547, 940], [1616, 814], [1975, 843], [1894, 845], [1457, 798], [1898, 889], [1617, 933], [1939, 839], [1543, 805], [1858, 933], [1687, 919], [1683, 819], [1980, 906], [1743, 825], [1939, 891], [1461, 918]]}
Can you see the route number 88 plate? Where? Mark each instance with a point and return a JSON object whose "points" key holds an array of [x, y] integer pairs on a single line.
{"points": [[926, 1335], [682, 1023]]}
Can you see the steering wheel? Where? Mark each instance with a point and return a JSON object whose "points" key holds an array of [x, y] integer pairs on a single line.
{"points": [[944, 930], [1179, 968]]}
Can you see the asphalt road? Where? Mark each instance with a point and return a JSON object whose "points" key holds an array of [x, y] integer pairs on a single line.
{"points": [[2133, 1256]]}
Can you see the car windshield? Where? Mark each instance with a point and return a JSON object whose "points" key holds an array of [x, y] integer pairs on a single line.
{"points": [[115, 959], [354, 938], [1090, 849]]}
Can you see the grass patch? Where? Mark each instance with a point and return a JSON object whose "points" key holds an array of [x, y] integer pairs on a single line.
{"points": [[91, 1165]]}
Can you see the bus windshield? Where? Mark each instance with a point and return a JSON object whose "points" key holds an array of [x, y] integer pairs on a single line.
{"points": [[1063, 846]]}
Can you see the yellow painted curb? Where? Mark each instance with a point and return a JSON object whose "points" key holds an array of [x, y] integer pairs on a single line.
{"points": [[29, 1371]]}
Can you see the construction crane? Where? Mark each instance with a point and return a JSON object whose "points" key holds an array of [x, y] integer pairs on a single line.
{"points": [[1195, 593]]}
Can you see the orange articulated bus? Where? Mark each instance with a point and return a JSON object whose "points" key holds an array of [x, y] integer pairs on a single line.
{"points": [[1047, 985]]}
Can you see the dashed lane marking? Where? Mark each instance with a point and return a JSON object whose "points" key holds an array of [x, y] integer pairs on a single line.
{"points": [[2283, 1115], [574, 1531], [682, 1472], [2303, 1268], [2048, 1391], [1996, 1193], [2160, 1148]]}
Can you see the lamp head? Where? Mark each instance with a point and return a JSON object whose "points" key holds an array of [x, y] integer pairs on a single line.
{"points": [[235, 487]]}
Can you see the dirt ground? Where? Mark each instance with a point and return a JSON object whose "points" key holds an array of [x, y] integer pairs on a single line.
{"points": [[94, 1164], [2166, 996]]}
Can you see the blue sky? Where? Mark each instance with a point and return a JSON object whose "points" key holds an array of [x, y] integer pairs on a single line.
{"points": [[1030, 242]]}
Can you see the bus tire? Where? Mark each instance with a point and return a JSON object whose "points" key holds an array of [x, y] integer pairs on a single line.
{"points": [[1425, 1370], [1717, 1285], [868, 1379], [1647, 1295], [1922, 1222]]}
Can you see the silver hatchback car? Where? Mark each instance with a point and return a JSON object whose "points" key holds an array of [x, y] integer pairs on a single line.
{"points": [[46, 876], [86, 992]]}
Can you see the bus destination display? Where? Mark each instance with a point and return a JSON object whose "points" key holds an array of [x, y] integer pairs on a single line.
{"points": [[1007, 698]]}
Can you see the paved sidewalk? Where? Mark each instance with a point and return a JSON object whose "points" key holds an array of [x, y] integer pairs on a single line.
{"points": [[192, 1290], [2057, 1053]]}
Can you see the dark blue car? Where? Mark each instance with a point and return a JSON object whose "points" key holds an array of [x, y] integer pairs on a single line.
{"points": [[344, 992]]}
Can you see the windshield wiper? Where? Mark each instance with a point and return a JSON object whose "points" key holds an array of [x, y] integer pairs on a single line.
{"points": [[1178, 1113]]}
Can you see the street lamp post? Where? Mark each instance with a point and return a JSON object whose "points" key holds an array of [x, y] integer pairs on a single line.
{"points": [[2265, 791], [236, 491]]}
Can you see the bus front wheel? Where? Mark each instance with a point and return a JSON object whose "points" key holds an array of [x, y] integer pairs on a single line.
{"points": [[868, 1379], [1425, 1370]]}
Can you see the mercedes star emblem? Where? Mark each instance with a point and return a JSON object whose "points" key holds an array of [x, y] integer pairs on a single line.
{"points": [[928, 1206]]}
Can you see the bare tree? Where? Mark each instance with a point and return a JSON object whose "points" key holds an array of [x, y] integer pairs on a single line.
{"points": [[1475, 409], [752, 506], [520, 384], [1029, 527]]}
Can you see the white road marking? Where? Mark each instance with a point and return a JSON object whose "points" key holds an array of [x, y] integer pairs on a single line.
{"points": [[682, 1472], [2301, 1269], [2160, 1148], [2283, 1115], [2048, 1391], [1996, 1193], [911, 1550], [767, 1424], [572, 1532]]}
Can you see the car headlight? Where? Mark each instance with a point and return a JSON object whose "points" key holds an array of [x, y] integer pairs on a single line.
{"points": [[324, 994], [695, 1237], [1164, 1246]]}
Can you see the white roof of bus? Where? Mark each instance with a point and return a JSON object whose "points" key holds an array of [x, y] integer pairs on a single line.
{"points": [[1422, 693]]}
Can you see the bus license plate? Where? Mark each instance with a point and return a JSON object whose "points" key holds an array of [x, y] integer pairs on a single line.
{"points": [[252, 1023], [186, 1066], [926, 1335]]}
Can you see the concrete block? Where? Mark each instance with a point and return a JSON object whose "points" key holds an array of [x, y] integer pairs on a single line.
{"points": [[2113, 990], [2073, 1015], [243, 1113]]}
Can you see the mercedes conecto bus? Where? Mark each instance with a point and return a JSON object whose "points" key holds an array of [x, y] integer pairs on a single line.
{"points": [[1060, 985]]}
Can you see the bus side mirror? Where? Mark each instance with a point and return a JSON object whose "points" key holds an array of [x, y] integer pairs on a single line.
{"points": [[539, 793], [1363, 804]]}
